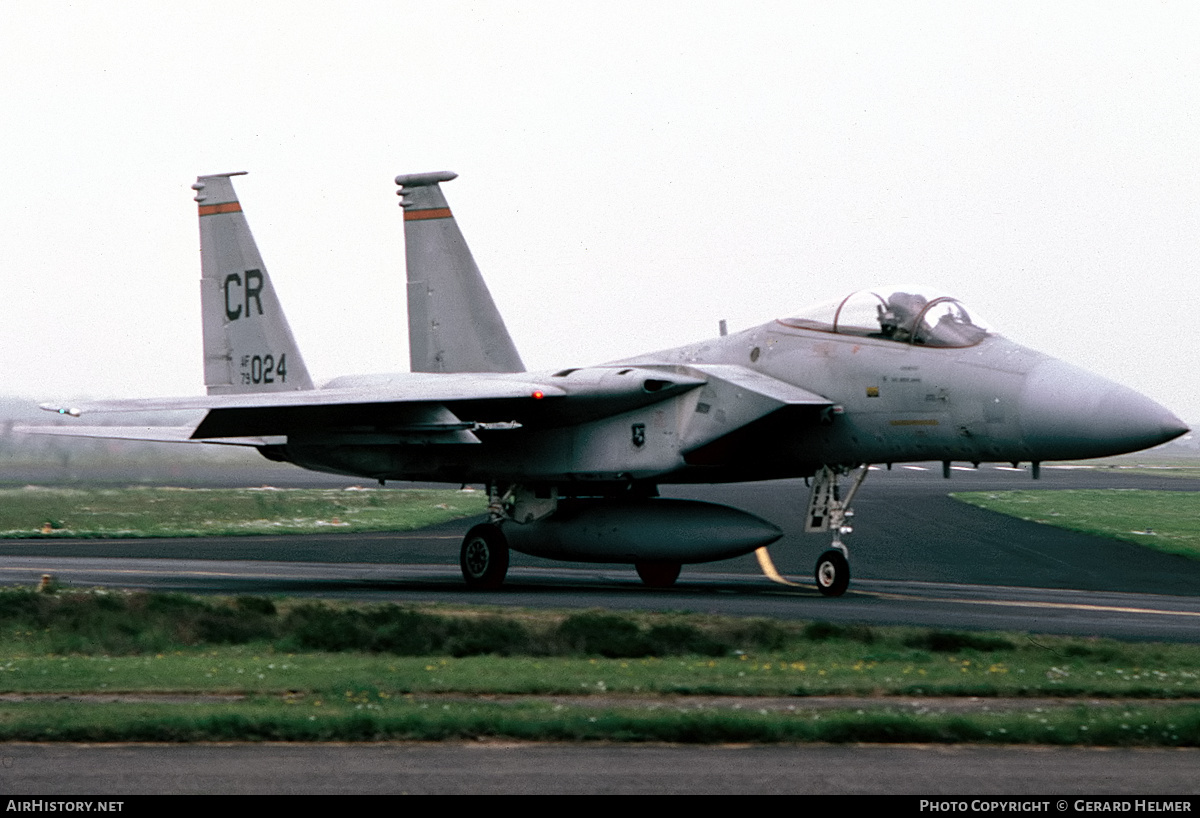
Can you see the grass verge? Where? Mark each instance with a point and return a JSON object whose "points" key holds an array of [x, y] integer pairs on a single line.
{"points": [[417, 720], [126, 666], [1144, 463], [36, 511], [1168, 521]]}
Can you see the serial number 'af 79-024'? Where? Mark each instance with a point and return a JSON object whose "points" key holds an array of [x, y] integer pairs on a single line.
{"points": [[573, 458]]}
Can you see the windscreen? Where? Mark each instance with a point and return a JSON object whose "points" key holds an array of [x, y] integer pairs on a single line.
{"points": [[901, 314]]}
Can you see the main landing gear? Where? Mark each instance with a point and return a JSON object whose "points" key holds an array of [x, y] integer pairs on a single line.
{"points": [[484, 557], [658, 574], [484, 561], [828, 512], [484, 554]]}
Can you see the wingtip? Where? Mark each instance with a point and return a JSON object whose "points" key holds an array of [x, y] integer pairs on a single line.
{"points": [[60, 410]]}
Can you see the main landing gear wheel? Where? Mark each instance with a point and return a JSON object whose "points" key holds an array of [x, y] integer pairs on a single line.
{"points": [[833, 573], [484, 557], [658, 574]]}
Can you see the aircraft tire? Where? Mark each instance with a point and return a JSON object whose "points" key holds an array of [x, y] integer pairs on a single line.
{"points": [[484, 557], [832, 573], [658, 574]]}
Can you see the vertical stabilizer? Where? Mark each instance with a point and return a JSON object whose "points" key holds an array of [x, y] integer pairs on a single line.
{"points": [[248, 346], [453, 324]]}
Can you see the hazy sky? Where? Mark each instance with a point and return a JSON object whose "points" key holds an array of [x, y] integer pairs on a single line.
{"points": [[630, 173]]}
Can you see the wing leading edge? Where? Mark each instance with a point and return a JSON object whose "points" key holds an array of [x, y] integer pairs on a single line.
{"points": [[422, 408], [405, 402]]}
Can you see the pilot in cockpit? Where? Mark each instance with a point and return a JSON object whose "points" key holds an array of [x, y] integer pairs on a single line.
{"points": [[897, 318]]}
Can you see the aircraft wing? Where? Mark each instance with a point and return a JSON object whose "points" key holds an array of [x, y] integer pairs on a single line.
{"points": [[403, 408], [386, 389], [147, 434], [423, 408]]}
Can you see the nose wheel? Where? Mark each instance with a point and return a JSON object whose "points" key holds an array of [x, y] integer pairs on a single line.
{"points": [[828, 511], [832, 573]]}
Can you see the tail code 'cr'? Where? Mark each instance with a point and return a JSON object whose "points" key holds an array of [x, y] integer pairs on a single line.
{"points": [[248, 346]]}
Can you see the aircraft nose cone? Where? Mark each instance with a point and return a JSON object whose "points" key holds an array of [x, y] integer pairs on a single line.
{"points": [[1069, 413]]}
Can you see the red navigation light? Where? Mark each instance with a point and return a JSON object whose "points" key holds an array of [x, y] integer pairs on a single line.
{"points": [[538, 394]]}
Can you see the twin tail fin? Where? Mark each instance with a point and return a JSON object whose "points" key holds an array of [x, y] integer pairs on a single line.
{"points": [[453, 323], [248, 345]]}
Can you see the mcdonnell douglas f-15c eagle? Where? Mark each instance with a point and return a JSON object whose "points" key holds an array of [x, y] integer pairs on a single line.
{"points": [[573, 458]]}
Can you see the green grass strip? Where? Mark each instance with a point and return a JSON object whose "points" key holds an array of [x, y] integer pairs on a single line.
{"points": [[138, 666], [828, 669], [1168, 521], [414, 719], [104, 641], [35, 511]]}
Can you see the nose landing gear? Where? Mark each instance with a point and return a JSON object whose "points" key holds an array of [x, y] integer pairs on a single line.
{"points": [[828, 512], [833, 573]]}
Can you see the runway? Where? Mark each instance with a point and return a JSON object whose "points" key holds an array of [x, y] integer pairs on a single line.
{"points": [[918, 557], [478, 768]]}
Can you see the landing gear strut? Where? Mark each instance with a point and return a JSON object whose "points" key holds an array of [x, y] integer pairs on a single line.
{"points": [[484, 554], [828, 512]]}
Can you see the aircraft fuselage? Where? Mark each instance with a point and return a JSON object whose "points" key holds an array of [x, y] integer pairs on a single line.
{"points": [[995, 401], [572, 458]]}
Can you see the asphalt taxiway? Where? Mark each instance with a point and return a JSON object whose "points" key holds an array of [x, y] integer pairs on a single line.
{"points": [[918, 557], [520, 768]]}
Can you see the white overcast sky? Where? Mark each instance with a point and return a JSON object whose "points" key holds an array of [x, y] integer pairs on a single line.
{"points": [[629, 173]]}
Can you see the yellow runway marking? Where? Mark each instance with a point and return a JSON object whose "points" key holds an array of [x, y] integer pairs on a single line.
{"points": [[147, 572], [768, 569], [1073, 606]]}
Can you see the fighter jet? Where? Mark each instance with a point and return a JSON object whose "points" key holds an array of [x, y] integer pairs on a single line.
{"points": [[573, 458]]}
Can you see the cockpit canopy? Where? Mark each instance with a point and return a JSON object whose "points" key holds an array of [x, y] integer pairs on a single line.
{"points": [[909, 315]]}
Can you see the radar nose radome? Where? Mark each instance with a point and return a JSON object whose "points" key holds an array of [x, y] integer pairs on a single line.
{"points": [[1068, 413]]}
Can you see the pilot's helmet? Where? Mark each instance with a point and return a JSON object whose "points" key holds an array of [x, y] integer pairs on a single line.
{"points": [[906, 306]]}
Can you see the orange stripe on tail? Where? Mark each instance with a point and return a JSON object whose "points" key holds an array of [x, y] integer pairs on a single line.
{"points": [[432, 213], [227, 207]]}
